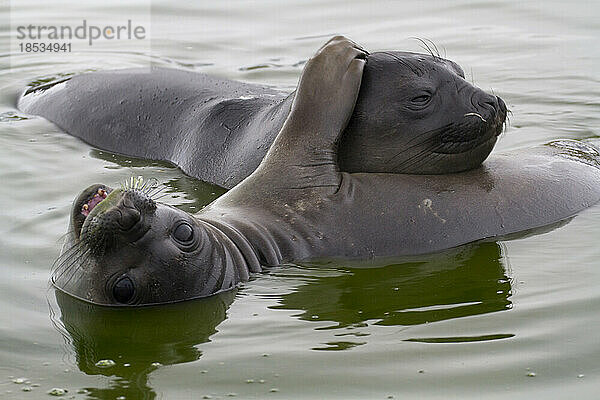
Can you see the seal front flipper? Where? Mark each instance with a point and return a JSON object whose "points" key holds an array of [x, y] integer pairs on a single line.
{"points": [[305, 148]]}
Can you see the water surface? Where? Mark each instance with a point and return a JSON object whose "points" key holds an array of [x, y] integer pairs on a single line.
{"points": [[504, 319]]}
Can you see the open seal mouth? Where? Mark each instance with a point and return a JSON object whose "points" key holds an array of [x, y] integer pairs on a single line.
{"points": [[96, 198], [85, 203]]}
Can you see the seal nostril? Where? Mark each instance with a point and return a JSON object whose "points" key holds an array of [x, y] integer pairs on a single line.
{"points": [[487, 105], [488, 102], [128, 218]]}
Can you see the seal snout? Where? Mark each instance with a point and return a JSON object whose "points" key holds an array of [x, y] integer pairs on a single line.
{"points": [[496, 107], [116, 219], [490, 110], [129, 215], [488, 107]]}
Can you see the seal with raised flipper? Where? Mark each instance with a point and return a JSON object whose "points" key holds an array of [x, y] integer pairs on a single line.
{"points": [[127, 249]]}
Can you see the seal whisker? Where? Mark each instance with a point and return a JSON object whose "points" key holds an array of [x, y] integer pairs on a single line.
{"points": [[437, 51], [417, 158], [150, 184], [157, 194], [422, 142], [65, 255], [156, 191], [77, 264], [423, 156], [431, 136], [427, 44], [160, 197], [68, 266], [64, 236], [407, 149], [415, 69], [81, 265], [474, 114]]}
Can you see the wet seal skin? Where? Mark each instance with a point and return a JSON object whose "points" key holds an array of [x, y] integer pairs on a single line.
{"points": [[297, 206], [415, 114]]}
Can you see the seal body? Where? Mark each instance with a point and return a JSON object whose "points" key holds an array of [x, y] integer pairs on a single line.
{"points": [[124, 248], [415, 114]]}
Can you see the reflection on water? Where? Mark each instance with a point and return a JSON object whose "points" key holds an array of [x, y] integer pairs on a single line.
{"points": [[137, 338], [467, 281]]}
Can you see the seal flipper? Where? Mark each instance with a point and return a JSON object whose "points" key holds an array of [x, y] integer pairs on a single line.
{"points": [[305, 148]]}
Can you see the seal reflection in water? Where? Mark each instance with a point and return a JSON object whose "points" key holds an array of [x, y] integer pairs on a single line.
{"points": [[297, 206]]}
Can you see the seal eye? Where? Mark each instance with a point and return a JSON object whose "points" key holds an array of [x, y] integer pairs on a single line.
{"points": [[422, 99], [123, 290], [183, 233]]}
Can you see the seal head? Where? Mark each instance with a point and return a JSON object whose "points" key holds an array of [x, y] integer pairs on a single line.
{"points": [[416, 114], [142, 251]]}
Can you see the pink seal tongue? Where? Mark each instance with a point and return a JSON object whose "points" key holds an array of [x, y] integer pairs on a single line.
{"points": [[97, 198]]}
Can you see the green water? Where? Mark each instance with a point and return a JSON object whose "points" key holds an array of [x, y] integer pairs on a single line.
{"points": [[513, 319]]}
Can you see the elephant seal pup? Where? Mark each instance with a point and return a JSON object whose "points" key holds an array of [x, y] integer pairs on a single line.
{"points": [[415, 114], [126, 249]]}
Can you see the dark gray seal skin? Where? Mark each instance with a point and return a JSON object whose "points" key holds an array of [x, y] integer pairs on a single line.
{"points": [[297, 207], [415, 114]]}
